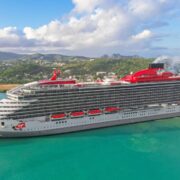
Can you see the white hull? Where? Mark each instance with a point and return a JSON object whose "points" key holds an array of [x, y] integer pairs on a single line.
{"points": [[40, 126]]}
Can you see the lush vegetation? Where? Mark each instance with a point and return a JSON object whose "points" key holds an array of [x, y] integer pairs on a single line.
{"points": [[22, 72], [26, 71]]}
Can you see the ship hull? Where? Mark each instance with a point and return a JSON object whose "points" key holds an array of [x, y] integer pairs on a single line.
{"points": [[59, 106], [16, 134]]}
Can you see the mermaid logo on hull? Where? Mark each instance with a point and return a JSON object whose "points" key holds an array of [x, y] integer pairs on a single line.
{"points": [[20, 126]]}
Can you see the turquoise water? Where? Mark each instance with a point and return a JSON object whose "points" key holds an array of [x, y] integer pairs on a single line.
{"points": [[146, 151]]}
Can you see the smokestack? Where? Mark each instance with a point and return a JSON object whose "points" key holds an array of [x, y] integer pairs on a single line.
{"points": [[172, 64], [156, 66]]}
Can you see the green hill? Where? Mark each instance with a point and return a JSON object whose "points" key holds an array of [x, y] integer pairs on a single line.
{"points": [[120, 67], [26, 71]]}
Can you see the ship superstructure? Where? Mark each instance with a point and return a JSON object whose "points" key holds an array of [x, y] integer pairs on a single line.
{"points": [[64, 105]]}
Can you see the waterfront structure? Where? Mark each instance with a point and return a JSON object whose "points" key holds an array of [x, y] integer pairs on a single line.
{"points": [[63, 105]]}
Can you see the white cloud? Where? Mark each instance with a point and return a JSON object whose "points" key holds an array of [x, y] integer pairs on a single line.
{"points": [[86, 5], [8, 35], [144, 35], [47, 32], [95, 27], [151, 8], [142, 8]]}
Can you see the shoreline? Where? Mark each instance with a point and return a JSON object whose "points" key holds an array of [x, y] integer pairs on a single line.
{"points": [[6, 87], [3, 91]]}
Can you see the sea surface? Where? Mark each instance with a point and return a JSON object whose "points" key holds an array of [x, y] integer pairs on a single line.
{"points": [[145, 151]]}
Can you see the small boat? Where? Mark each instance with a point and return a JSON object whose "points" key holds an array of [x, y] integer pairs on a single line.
{"points": [[77, 114], [94, 112], [58, 116], [111, 109]]}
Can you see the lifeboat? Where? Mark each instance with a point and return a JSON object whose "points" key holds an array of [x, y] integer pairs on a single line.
{"points": [[111, 109], [58, 116], [94, 112], [77, 114]]}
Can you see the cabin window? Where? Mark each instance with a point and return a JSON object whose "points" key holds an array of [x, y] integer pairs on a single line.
{"points": [[2, 123]]}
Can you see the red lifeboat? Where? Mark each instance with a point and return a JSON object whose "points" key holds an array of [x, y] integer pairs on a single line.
{"points": [[77, 114], [111, 109], [94, 112], [58, 116]]}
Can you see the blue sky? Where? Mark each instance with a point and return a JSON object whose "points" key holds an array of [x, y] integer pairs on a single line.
{"points": [[34, 13], [91, 27]]}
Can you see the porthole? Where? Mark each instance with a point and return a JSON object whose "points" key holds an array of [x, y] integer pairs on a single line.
{"points": [[2, 123]]}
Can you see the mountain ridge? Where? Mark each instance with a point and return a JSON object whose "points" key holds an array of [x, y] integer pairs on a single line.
{"points": [[10, 56]]}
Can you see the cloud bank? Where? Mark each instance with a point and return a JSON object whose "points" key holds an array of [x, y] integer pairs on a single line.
{"points": [[96, 27]]}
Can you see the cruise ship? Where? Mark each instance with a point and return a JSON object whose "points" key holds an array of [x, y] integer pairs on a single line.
{"points": [[59, 105]]}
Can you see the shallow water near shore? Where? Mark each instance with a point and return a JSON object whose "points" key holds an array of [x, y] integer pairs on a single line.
{"points": [[143, 151]]}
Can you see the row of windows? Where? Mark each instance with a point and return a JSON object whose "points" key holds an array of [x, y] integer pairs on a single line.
{"points": [[61, 122], [110, 95], [36, 114], [105, 89], [161, 89], [59, 102], [75, 107], [96, 102], [105, 98], [131, 92], [125, 88], [164, 84]]}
